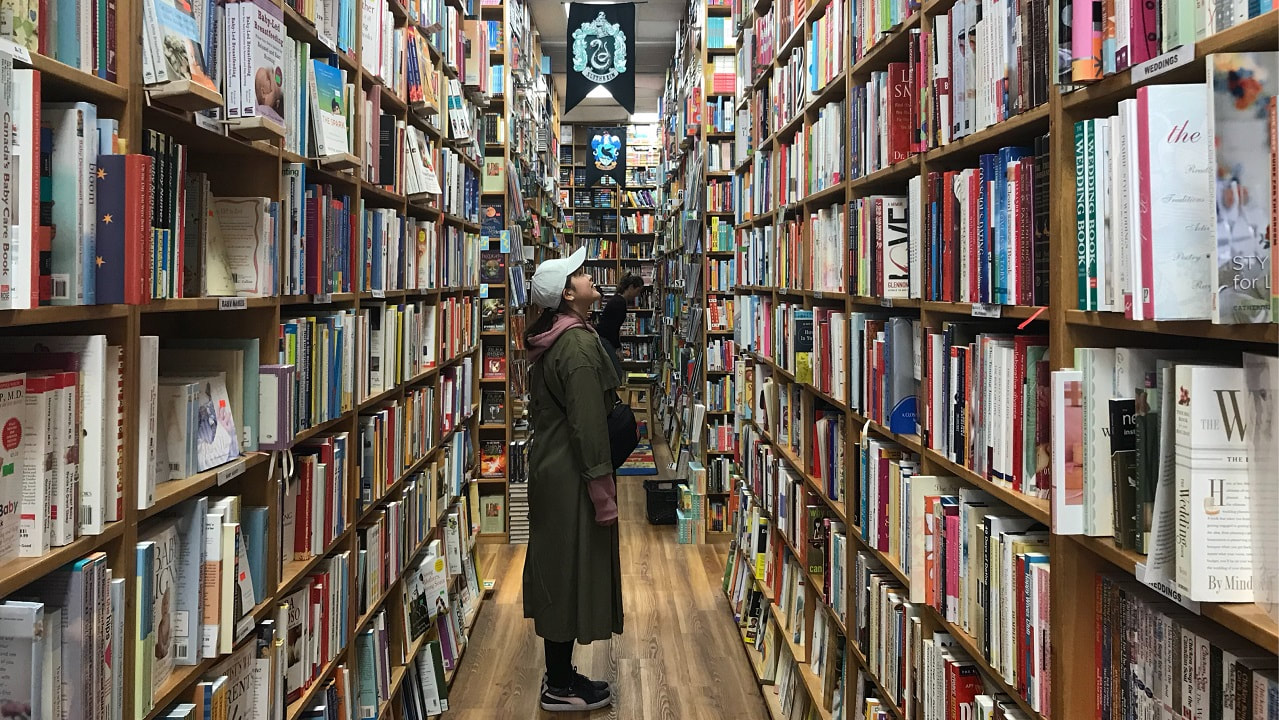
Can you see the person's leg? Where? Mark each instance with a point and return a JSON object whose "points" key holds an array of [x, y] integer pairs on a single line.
{"points": [[566, 690], [559, 663]]}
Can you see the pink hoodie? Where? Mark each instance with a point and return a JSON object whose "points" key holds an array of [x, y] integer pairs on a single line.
{"points": [[539, 344]]}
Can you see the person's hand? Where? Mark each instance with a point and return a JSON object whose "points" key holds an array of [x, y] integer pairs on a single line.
{"points": [[603, 492]]}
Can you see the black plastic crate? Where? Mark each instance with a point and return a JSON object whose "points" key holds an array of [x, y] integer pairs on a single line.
{"points": [[662, 497]]}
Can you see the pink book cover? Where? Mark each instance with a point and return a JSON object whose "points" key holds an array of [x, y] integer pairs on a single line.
{"points": [[1043, 645], [952, 562], [1143, 193], [1144, 33], [1085, 41]]}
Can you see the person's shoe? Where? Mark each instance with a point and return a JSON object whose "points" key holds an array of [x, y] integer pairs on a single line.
{"points": [[581, 696], [599, 685]]}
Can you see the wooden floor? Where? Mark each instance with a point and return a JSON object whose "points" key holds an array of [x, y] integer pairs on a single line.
{"points": [[679, 658]]}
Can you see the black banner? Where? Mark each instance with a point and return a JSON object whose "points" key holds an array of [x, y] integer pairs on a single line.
{"points": [[601, 51], [608, 155]]}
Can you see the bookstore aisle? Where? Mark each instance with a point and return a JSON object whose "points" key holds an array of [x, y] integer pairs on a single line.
{"points": [[677, 660]]}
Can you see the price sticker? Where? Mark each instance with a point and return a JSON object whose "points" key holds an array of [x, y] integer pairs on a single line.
{"points": [[987, 310], [233, 303], [484, 290]]}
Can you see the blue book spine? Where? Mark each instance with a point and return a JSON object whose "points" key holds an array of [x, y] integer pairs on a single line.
{"points": [[109, 267], [253, 522], [67, 51], [1006, 253]]}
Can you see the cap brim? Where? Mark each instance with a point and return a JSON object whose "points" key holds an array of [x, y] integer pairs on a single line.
{"points": [[576, 260]]}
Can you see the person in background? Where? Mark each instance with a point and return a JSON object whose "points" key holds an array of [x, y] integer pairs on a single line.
{"points": [[573, 566], [614, 315]]}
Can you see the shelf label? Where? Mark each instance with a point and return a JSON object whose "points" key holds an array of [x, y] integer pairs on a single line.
{"points": [[1156, 66], [322, 299], [1163, 588], [817, 294], [208, 123], [886, 302], [379, 294], [234, 470], [987, 310], [484, 290], [15, 51], [233, 303]]}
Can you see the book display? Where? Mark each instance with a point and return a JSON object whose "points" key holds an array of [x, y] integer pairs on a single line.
{"points": [[243, 348], [521, 218], [618, 226], [988, 452]]}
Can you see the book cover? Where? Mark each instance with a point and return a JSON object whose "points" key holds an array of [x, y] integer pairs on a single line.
{"points": [[164, 599], [492, 266], [1123, 469], [493, 458], [263, 23], [1240, 89], [492, 514], [492, 314], [494, 175], [1261, 375], [326, 92], [492, 223], [493, 407], [436, 579], [189, 526], [15, 423], [245, 233], [238, 670], [121, 238], [74, 157], [176, 36], [1214, 561], [23, 637], [1068, 452], [494, 362], [1176, 228]]}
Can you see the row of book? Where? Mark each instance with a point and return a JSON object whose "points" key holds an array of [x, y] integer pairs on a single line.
{"points": [[1168, 456], [1205, 256]]}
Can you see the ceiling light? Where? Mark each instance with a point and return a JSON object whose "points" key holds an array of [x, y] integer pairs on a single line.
{"points": [[600, 92], [647, 117]]}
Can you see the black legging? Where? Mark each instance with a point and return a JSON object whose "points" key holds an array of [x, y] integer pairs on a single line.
{"points": [[559, 663]]}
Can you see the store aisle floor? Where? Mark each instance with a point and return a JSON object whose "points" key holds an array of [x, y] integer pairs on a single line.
{"points": [[678, 659]]}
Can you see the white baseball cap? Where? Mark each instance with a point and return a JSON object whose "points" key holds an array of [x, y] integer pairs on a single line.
{"points": [[550, 277]]}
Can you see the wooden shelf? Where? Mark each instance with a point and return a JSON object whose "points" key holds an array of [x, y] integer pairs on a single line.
{"points": [[19, 572]]}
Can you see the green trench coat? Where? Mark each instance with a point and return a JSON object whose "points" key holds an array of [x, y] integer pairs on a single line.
{"points": [[573, 567]]}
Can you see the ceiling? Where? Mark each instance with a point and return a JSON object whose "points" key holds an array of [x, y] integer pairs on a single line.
{"points": [[656, 22]]}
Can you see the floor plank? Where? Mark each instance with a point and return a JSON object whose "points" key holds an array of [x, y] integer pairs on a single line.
{"points": [[677, 660]]}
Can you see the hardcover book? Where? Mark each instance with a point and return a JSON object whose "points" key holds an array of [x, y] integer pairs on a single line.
{"points": [[15, 424], [494, 362], [493, 314], [492, 514], [493, 458], [1240, 89], [493, 408], [173, 37], [1214, 559], [22, 652], [492, 263]]}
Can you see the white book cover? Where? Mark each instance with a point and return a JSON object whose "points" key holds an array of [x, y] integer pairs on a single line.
{"points": [[176, 450], [245, 229], [39, 463], [22, 652], [233, 44], [262, 74], [148, 456], [94, 394], [1214, 507], [8, 170], [23, 241], [1176, 223], [1261, 376], [1241, 183], [1098, 368], [15, 423], [164, 598], [75, 146]]}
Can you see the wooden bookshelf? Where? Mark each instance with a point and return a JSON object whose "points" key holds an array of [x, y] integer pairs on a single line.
{"points": [[1076, 560]]}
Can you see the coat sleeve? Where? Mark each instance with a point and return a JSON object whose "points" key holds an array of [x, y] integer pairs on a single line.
{"points": [[587, 414]]}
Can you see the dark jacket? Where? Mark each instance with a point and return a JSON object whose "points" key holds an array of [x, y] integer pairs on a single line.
{"points": [[611, 319], [573, 567]]}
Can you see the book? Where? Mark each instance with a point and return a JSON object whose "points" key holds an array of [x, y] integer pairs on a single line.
{"points": [[327, 101], [174, 43], [1213, 564], [494, 362], [492, 514]]}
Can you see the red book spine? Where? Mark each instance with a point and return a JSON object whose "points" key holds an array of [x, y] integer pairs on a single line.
{"points": [[137, 171], [1019, 600], [1025, 232], [111, 32], [302, 523], [947, 199], [899, 111]]}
